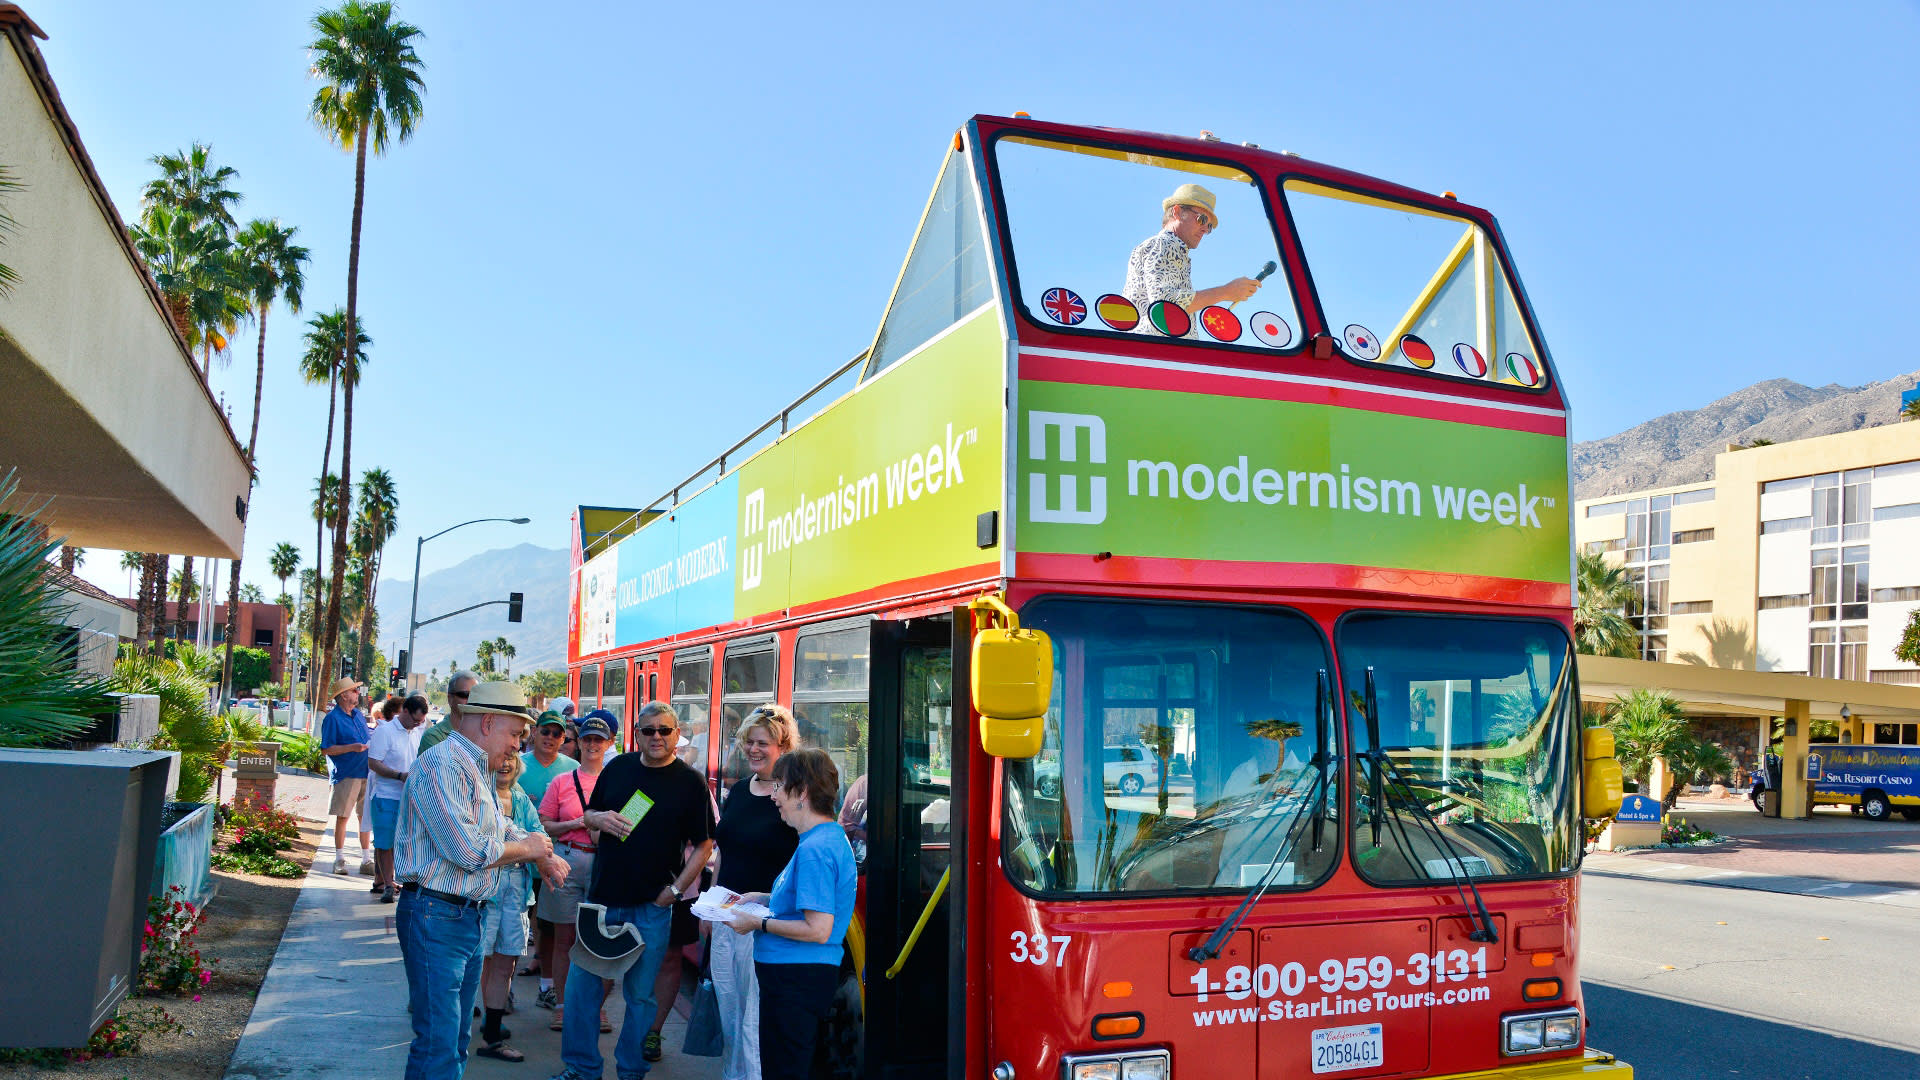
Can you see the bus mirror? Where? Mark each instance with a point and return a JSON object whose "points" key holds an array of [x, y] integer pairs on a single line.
{"points": [[1598, 743], [1603, 791], [1012, 684]]}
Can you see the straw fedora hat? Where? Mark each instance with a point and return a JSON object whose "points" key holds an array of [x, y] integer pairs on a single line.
{"points": [[496, 697], [1192, 195], [341, 686]]}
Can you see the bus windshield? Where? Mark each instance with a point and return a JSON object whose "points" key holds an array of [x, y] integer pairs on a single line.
{"points": [[1179, 753], [1476, 720]]}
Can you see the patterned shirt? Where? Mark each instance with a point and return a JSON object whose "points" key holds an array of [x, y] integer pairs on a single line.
{"points": [[1160, 269], [451, 829]]}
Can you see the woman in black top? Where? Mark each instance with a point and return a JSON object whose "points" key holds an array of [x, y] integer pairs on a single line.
{"points": [[754, 845]]}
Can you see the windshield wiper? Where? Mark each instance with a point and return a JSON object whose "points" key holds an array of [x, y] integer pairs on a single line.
{"points": [[1322, 709], [1456, 866], [1316, 795]]}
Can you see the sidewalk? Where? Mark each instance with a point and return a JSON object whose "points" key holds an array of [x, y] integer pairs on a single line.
{"points": [[1833, 854], [334, 1003]]}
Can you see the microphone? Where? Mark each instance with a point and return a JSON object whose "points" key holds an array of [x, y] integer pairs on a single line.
{"points": [[1266, 270]]}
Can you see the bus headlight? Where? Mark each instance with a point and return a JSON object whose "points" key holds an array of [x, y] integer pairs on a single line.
{"points": [[1538, 1033], [1130, 1065]]}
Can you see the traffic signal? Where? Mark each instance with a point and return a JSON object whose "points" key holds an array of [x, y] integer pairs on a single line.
{"points": [[303, 671], [393, 676], [346, 666], [402, 667], [513, 606]]}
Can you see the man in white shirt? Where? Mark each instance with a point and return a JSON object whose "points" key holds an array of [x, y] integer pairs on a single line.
{"points": [[391, 752]]}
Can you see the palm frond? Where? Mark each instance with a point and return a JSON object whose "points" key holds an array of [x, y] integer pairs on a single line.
{"points": [[43, 697]]}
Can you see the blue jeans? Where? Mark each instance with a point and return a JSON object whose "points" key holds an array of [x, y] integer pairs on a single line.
{"points": [[580, 1035], [440, 945]]}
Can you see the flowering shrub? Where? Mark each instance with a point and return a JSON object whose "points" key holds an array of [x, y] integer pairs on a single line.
{"points": [[268, 865], [270, 821], [245, 841], [117, 1038], [169, 962], [1678, 831]]}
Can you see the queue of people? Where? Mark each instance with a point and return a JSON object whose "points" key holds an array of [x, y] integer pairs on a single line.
{"points": [[472, 835]]}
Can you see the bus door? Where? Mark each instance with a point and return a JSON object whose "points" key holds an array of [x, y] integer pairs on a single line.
{"points": [[913, 804]]}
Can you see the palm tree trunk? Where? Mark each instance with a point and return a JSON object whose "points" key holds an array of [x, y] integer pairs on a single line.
{"points": [[366, 611], [349, 377], [143, 603], [253, 440], [313, 652], [160, 620]]}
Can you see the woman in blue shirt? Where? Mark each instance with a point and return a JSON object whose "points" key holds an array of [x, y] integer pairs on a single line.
{"points": [[796, 958]]}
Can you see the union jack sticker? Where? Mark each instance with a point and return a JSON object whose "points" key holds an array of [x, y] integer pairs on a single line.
{"points": [[1064, 306]]}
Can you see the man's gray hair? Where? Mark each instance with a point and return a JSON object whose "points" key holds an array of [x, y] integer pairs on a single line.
{"points": [[655, 708], [453, 687]]}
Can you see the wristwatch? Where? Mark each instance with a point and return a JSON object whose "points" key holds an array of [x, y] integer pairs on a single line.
{"points": [[675, 890]]}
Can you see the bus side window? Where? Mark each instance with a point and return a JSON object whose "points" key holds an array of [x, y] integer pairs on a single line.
{"points": [[830, 709]]}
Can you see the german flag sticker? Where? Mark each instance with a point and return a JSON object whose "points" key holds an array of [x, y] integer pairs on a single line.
{"points": [[1117, 311], [1417, 352], [1169, 318], [1222, 324]]}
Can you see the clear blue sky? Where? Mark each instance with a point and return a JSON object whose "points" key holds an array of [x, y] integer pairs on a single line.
{"points": [[626, 233]]}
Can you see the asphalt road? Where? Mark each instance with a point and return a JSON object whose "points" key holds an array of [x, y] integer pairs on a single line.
{"points": [[1690, 982]]}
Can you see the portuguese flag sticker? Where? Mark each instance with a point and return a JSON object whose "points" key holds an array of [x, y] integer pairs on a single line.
{"points": [[1170, 318]]}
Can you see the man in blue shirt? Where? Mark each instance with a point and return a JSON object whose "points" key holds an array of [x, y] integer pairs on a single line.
{"points": [[343, 738]]}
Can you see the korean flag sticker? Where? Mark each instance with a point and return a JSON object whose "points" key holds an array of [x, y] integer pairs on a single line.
{"points": [[1362, 343]]}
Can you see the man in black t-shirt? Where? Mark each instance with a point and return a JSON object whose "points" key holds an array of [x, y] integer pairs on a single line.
{"points": [[639, 870]]}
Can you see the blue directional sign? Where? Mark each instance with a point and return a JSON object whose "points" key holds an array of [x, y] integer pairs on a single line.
{"points": [[1639, 809], [1813, 766]]}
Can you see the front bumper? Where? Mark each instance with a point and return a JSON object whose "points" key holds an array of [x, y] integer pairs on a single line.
{"points": [[1595, 1063]]}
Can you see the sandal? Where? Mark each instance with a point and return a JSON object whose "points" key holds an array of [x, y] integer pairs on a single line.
{"points": [[606, 1025], [500, 1052], [558, 1021]]}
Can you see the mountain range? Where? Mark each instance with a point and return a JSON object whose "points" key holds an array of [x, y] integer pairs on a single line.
{"points": [[539, 640], [1678, 448]]}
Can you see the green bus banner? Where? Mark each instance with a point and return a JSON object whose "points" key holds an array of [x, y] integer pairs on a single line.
{"points": [[1167, 474]]}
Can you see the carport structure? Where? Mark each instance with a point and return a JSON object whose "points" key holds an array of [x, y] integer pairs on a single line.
{"points": [[1763, 695]]}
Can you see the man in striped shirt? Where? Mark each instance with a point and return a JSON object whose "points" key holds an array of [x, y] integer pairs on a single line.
{"points": [[453, 843]]}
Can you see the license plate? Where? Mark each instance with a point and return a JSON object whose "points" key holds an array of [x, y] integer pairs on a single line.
{"points": [[1345, 1048]]}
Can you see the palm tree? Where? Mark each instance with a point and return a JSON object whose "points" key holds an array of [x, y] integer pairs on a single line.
{"points": [[505, 650], [251, 594], [283, 562], [326, 339], [192, 263], [1646, 724], [483, 656], [184, 590], [190, 184], [269, 264], [377, 521], [1911, 410], [326, 493], [1600, 626], [369, 94], [131, 561], [72, 558], [8, 185]]}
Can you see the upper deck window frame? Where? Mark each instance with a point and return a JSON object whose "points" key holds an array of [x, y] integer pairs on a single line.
{"points": [[1437, 208], [1240, 355]]}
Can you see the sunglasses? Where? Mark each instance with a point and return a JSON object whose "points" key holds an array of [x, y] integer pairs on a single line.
{"points": [[656, 731], [551, 732], [462, 697]]}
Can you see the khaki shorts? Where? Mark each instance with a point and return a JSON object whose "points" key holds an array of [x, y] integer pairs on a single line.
{"points": [[562, 905], [346, 796]]}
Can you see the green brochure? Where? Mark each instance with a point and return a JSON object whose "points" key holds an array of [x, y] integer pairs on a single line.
{"points": [[636, 808]]}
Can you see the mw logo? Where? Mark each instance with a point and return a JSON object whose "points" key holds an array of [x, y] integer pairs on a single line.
{"points": [[1066, 429], [753, 518]]}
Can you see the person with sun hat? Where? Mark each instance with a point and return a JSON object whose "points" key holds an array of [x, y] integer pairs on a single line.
{"points": [[1161, 267]]}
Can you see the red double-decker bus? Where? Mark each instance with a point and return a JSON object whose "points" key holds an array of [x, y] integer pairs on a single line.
{"points": [[1275, 456]]}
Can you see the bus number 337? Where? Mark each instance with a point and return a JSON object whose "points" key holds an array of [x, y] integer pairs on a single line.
{"points": [[1357, 973]]}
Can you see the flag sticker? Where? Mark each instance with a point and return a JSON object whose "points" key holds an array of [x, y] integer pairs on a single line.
{"points": [[1117, 311], [1170, 318], [1362, 343], [1064, 306], [1417, 352], [1472, 364], [1524, 370], [1271, 329], [1224, 325]]}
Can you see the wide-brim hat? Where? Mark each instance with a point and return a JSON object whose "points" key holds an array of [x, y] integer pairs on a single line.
{"points": [[496, 697], [1192, 195], [606, 951], [341, 686]]}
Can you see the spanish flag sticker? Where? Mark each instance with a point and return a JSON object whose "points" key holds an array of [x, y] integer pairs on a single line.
{"points": [[1170, 318], [1117, 311]]}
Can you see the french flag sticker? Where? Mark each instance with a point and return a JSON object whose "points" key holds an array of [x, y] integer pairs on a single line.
{"points": [[1472, 364]]}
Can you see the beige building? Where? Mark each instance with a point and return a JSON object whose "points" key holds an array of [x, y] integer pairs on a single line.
{"points": [[1799, 557]]}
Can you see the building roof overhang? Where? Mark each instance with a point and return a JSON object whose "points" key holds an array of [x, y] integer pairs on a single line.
{"points": [[1731, 691]]}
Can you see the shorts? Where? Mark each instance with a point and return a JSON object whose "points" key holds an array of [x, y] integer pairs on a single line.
{"points": [[386, 817], [503, 925], [562, 905], [346, 796], [685, 928]]}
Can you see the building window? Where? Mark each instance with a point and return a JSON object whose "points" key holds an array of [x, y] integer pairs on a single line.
{"points": [[1897, 678], [1798, 483], [1649, 529], [1842, 506], [1900, 734], [1837, 652], [1693, 607], [1768, 528], [1697, 495], [1770, 603], [1693, 536], [1603, 509], [263, 639], [1601, 547], [1894, 513], [1649, 611], [1894, 596]]}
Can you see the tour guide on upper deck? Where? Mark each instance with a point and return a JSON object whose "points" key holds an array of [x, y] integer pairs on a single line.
{"points": [[1161, 268]]}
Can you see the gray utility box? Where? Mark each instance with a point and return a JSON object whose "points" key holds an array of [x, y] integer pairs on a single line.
{"points": [[82, 832]]}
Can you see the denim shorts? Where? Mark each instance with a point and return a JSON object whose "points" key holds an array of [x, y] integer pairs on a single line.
{"points": [[503, 926], [386, 816]]}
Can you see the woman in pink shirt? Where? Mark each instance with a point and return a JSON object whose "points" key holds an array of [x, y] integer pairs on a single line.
{"points": [[563, 812]]}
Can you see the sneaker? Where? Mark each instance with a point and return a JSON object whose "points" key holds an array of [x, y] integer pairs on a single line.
{"points": [[650, 1047], [548, 999], [366, 866], [387, 897], [339, 864], [566, 1074]]}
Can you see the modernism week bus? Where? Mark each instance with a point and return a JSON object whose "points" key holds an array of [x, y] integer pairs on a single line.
{"points": [[1191, 620]]}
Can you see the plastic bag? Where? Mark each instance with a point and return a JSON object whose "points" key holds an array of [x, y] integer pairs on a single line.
{"points": [[703, 1027]]}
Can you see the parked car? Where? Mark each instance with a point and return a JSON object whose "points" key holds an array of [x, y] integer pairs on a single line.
{"points": [[1131, 768]]}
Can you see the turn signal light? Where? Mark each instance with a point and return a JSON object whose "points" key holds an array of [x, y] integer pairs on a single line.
{"points": [[1540, 989], [1543, 959], [1119, 1025], [1117, 990]]}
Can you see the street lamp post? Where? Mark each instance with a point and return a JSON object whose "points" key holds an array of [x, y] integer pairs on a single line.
{"points": [[413, 612]]}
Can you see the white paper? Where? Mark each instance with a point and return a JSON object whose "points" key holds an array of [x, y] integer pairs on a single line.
{"points": [[718, 905]]}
